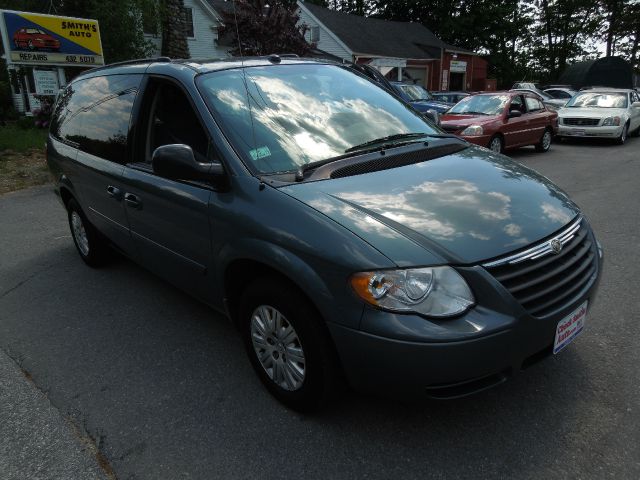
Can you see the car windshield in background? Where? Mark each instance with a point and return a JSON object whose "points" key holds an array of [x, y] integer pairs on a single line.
{"points": [[480, 104], [415, 92], [292, 115], [599, 100]]}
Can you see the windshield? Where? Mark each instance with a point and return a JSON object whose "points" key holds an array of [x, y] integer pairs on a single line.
{"points": [[483, 104], [415, 92], [599, 100], [302, 113]]}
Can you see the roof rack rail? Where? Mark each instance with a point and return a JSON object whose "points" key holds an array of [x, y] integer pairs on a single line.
{"points": [[132, 62]]}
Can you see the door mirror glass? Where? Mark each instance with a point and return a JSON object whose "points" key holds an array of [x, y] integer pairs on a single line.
{"points": [[177, 162], [433, 116], [515, 113]]}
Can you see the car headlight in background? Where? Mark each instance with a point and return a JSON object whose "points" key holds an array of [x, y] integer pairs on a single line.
{"points": [[472, 130], [611, 121], [432, 291]]}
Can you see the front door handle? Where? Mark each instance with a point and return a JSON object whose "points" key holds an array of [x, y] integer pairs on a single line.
{"points": [[132, 200], [113, 192]]}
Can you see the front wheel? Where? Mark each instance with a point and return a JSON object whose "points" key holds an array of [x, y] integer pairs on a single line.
{"points": [[288, 346], [496, 144], [545, 142], [92, 248], [623, 135]]}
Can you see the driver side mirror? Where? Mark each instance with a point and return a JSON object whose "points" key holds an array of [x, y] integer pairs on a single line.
{"points": [[177, 162], [515, 113], [433, 116]]}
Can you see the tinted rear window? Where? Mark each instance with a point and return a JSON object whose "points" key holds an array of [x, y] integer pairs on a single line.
{"points": [[94, 114]]}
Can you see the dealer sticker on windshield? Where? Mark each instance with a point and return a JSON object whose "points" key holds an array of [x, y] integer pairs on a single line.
{"points": [[570, 327]]}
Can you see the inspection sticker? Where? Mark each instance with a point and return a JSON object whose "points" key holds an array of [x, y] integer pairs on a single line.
{"points": [[570, 327], [260, 152]]}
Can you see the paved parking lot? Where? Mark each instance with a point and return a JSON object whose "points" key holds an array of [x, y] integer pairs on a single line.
{"points": [[162, 385]]}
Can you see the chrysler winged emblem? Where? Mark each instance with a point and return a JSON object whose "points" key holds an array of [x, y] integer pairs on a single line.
{"points": [[555, 245]]}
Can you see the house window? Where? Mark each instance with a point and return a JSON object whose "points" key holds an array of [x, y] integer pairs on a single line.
{"points": [[315, 34], [188, 18]]}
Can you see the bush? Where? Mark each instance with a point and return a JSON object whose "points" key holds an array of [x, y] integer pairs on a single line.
{"points": [[7, 112], [42, 115]]}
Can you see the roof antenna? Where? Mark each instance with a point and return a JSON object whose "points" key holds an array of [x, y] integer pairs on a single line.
{"points": [[246, 87]]}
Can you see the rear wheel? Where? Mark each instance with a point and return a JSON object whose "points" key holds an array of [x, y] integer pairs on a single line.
{"points": [[92, 248], [496, 144], [288, 346], [545, 142], [623, 135]]}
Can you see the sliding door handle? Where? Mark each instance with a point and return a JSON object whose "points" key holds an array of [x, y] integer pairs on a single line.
{"points": [[132, 200]]}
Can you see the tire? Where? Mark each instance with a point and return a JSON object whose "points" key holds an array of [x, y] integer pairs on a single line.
{"points": [[545, 142], [299, 365], [623, 135], [496, 144], [92, 248]]}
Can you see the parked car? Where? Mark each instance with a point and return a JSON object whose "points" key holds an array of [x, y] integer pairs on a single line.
{"points": [[35, 39], [550, 102], [526, 86], [602, 112], [502, 120], [342, 233], [450, 98], [419, 97], [560, 93]]}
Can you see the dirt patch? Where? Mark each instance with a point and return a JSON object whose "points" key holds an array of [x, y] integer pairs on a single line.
{"points": [[22, 170]]}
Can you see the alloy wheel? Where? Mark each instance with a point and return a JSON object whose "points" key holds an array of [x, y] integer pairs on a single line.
{"points": [[79, 233], [496, 145], [278, 347]]}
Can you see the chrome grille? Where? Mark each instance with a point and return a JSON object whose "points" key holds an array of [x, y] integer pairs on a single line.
{"points": [[544, 281], [581, 122]]}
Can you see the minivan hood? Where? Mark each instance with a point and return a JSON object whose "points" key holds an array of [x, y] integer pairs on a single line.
{"points": [[462, 208]]}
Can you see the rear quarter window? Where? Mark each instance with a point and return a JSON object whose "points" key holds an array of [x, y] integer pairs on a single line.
{"points": [[94, 115]]}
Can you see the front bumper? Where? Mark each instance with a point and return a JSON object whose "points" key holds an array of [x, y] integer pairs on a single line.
{"points": [[578, 131], [410, 356], [481, 140]]}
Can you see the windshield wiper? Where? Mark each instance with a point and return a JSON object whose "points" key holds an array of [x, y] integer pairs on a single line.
{"points": [[362, 148], [386, 140]]}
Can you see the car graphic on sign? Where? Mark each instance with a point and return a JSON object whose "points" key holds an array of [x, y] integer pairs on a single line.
{"points": [[34, 39]]}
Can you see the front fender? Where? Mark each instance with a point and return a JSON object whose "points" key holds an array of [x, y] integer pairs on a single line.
{"points": [[331, 295]]}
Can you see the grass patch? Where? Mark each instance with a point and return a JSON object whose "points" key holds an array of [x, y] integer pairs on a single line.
{"points": [[22, 170], [21, 140]]}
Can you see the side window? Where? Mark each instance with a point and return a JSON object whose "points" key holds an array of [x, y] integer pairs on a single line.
{"points": [[516, 104], [533, 104], [94, 114], [172, 120]]}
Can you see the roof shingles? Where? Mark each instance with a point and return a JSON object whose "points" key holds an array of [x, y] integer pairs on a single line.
{"points": [[386, 38]]}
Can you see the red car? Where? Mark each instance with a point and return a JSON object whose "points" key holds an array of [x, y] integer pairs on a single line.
{"points": [[502, 120], [35, 39]]}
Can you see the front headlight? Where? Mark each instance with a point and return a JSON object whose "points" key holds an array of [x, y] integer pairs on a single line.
{"points": [[472, 130], [611, 121], [433, 291]]}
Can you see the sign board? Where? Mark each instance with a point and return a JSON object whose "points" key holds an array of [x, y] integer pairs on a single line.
{"points": [[46, 82], [458, 66], [388, 62], [38, 39]]}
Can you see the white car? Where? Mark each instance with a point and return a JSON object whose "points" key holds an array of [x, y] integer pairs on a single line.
{"points": [[601, 112]]}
